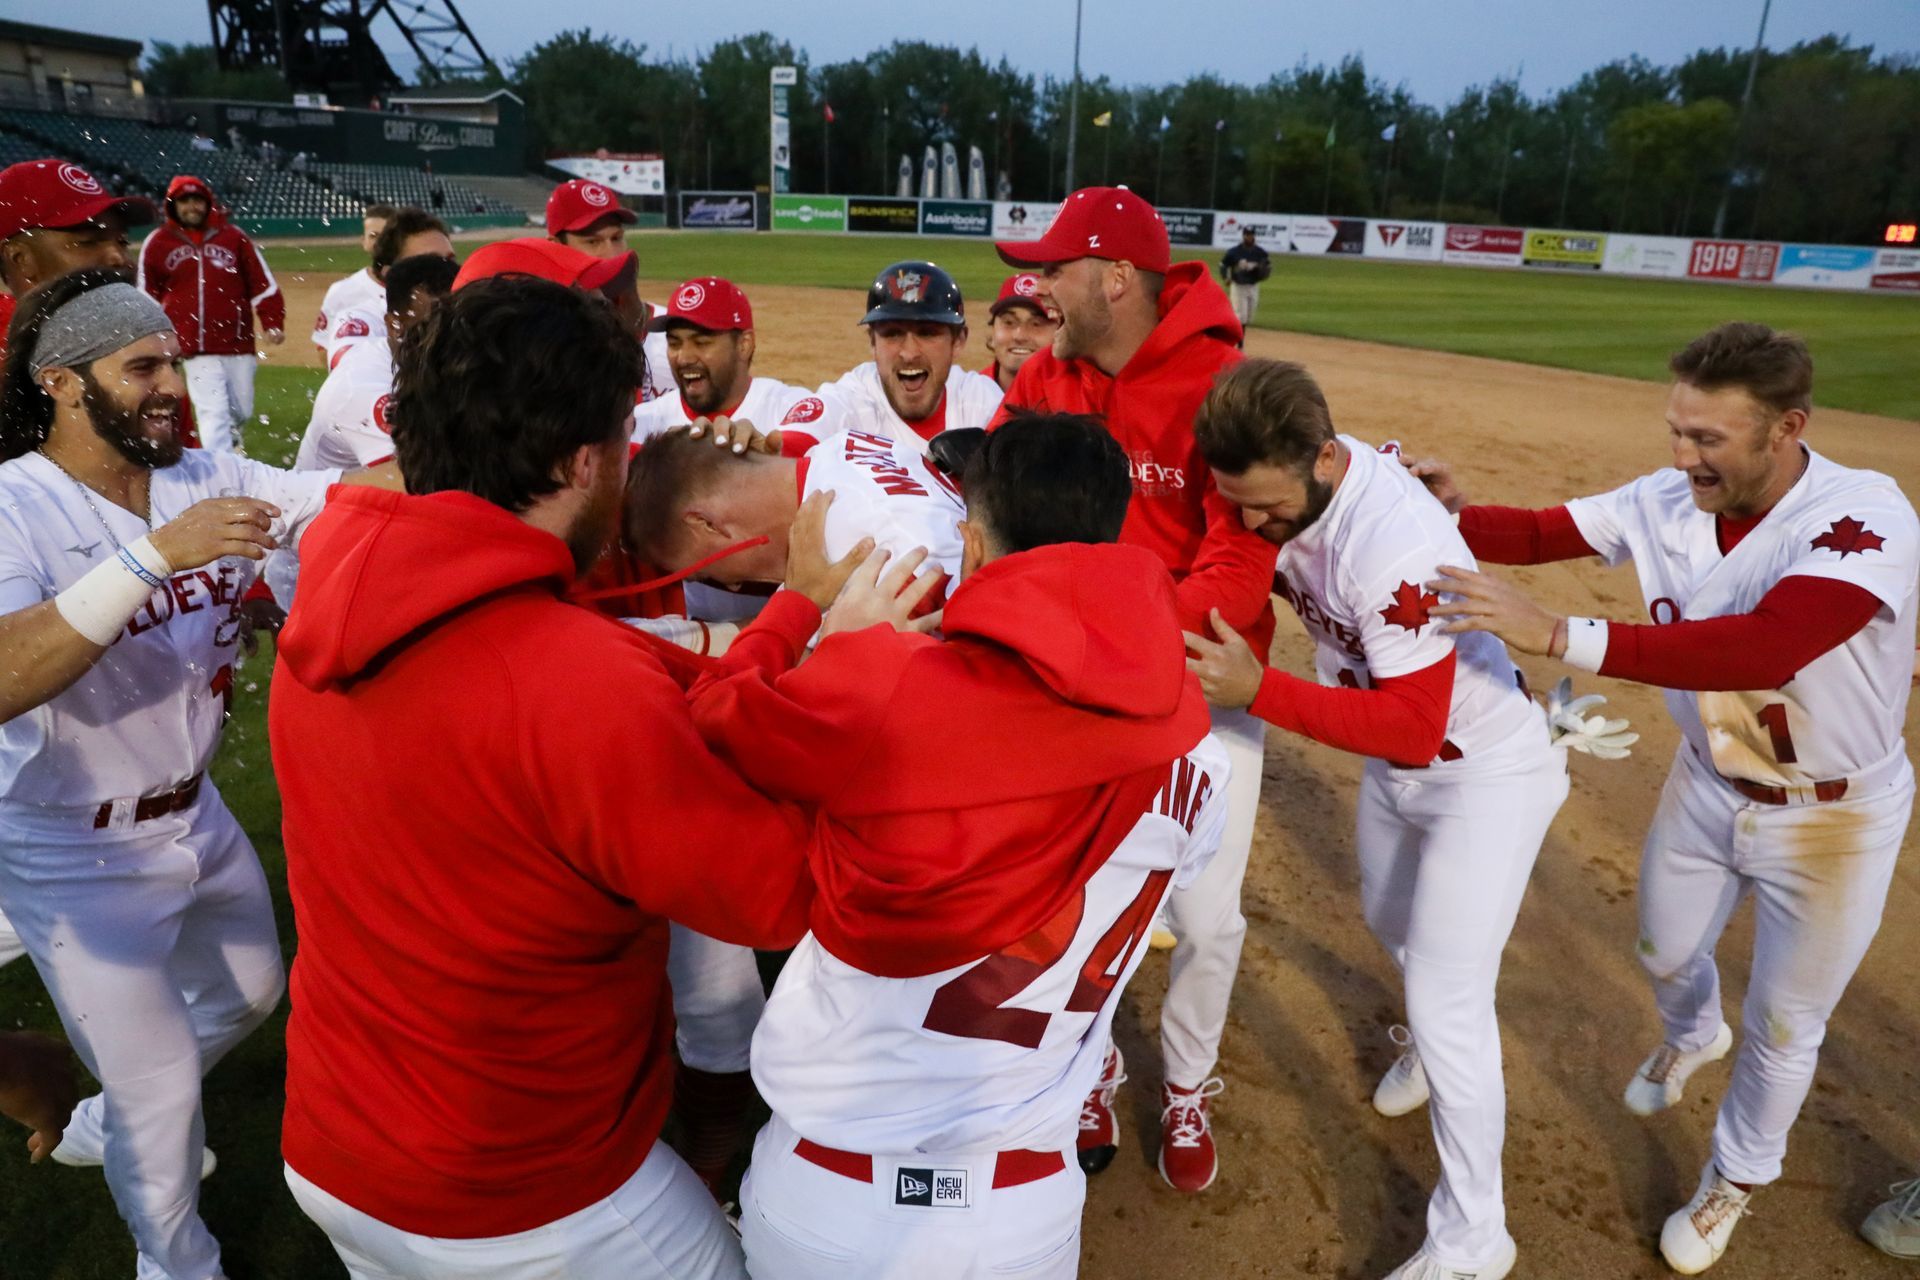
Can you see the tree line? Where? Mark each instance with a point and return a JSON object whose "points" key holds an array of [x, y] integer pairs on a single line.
{"points": [[1828, 150]]}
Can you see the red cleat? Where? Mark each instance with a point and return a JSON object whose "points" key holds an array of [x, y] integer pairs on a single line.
{"points": [[1099, 1127], [1187, 1159]]}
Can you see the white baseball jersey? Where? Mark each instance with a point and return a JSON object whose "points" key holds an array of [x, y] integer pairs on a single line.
{"points": [[861, 404], [349, 424], [359, 293], [148, 715], [885, 490], [1357, 578], [936, 1063], [1843, 712], [769, 405], [656, 378]]}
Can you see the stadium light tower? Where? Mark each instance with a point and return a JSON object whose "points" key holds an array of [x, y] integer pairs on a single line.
{"points": [[1073, 98], [1740, 122], [327, 46]]}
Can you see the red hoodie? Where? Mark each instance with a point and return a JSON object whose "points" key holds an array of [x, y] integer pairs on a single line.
{"points": [[970, 786], [212, 280], [492, 801], [1149, 407]]}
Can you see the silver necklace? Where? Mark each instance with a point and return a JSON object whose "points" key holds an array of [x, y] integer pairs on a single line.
{"points": [[86, 496]]}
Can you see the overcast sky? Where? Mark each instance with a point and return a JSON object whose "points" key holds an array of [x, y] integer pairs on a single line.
{"points": [[1435, 47]]}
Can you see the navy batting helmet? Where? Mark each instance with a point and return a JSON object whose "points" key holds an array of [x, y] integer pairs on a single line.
{"points": [[914, 291]]}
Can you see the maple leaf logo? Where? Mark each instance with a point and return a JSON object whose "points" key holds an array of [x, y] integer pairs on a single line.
{"points": [[1412, 607], [1848, 536]]}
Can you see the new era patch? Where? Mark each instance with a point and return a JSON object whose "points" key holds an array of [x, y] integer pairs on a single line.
{"points": [[931, 1188]]}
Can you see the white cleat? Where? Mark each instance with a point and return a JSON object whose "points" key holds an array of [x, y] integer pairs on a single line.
{"points": [[1424, 1266], [1404, 1087], [1662, 1078], [1894, 1227], [1697, 1233], [83, 1146]]}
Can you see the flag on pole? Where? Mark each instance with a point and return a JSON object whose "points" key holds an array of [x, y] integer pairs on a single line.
{"points": [[1165, 124], [1102, 120], [827, 111], [1388, 134], [1330, 129]]}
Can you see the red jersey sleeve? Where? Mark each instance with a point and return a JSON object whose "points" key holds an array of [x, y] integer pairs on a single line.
{"points": [[1402, 719], [1799, 619], [1516, 535], [1232, 572]]}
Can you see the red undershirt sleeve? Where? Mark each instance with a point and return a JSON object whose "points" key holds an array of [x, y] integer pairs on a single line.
{"points": [[1517, 535], [1401, 719], [1798, 619]]}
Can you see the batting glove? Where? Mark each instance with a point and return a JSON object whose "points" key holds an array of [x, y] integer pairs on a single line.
{"points": [[1569, 727]]}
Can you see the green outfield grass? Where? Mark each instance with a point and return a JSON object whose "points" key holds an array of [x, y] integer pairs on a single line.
{"points": [[1867, 346]]}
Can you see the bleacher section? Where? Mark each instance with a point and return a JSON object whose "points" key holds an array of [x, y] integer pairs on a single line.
{"points": [[140, 158]]}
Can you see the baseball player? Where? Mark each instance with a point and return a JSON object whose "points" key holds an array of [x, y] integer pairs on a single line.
{"points": [[409, 233], [55, 217], [914, 387], [1243, 267], [214, 283], [979, 910], [588, 216], [1461, 780], [1018, 325], [1781, 590], [123, 559], [1140, 343], [361, 291], [708, 330]]}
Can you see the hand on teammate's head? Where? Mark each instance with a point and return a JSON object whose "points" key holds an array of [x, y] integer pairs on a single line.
{"points": [[738, 433]]}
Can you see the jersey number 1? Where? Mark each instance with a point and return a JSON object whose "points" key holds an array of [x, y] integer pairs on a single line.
{"points": [[1773, 718]]}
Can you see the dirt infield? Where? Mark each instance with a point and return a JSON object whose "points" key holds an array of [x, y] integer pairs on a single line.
{"points": [[1313, 1183]]}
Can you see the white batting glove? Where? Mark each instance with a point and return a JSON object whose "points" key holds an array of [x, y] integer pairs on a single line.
{"points": [[1569, 727]]}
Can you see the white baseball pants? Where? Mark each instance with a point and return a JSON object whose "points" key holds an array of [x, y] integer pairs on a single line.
{"points": [[1205, 917], [156, 941], [11, 948], [221, 388], [799, 1221], [1246, 301], [660, 1225], [717, 1000], [1443, 867], [1818, 875]]}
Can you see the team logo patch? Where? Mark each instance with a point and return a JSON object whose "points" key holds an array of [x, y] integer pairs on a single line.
{"points": [[907, 286], [1412, 607], [691, 295], [380, 414], [807, 410], [80, 180], [352, 327], [931, 1188], [1848, 536], [1024, 285], [596, 195]]}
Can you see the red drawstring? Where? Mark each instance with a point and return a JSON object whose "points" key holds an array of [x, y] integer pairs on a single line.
{"points": [[654, 584]]}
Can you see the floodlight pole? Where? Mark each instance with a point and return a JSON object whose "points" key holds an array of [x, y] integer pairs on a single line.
{"points": [[1740, 122], [1073, 97]]}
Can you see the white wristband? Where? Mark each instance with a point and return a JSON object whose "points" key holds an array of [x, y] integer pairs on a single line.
{"points": [[1586, 643], [106, 597]]}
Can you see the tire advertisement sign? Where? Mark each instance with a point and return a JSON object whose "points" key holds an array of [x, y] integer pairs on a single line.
{"points": [[877, 213], [1897, 269], [1022, 219], [809, 213], [717, 210], [1189, 226], [1647, 255], [1419, 241], [1483, 246], [956, 218], [1826, 266], [1732, 260], [1328, 235], [1565, 250], [1269, 230]]}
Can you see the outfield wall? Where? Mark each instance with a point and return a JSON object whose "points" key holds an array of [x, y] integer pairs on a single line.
{"points": [[1807, 266]]}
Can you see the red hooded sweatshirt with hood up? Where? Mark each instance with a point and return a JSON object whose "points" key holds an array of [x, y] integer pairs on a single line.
{"points": [[968, 787], [212, 279], [493, 800], [1176, 513]]}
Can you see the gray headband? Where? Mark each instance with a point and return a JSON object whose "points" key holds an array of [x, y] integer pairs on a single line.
{"points": [[97, 323]]}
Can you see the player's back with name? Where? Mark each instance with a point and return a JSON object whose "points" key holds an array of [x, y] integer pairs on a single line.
{"points": [[995, 1054], [886, 490]]}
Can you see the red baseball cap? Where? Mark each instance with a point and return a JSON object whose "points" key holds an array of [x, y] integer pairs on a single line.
{"points": [[1097, 222], [578, 204], [186, 184], [54, 193], [708, 303], [1017, 290], [547, 259]]}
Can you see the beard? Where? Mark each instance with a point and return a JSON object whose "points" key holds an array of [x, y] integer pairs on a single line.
{"points": [[1319, 498], [598, 524], [1082, 328], [122, 427]]}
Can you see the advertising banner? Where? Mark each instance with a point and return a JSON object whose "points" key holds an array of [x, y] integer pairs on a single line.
{"points": [[956, 218], [1825, 265], [1732, 260], [883, 213], [1897, 269], [1189, 226], [1647, 256], [630, 175], [1269, 230], [1483, 246], [1414, 240], [1022, 219], [1327, 235], [1565, 250], [717, 210], [781, 81], [809, 213]]}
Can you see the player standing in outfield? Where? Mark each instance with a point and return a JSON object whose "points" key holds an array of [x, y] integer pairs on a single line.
{"points": [[914, 387], [409, 233], [708, 329], [979, 910], [1781, 586], [1461, 780], [478, 1061], [214, 282], [361, 291], [588, 216], [1243, 267], [123, 559], [55, 218], [1140, 343], [1018, 325]]}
